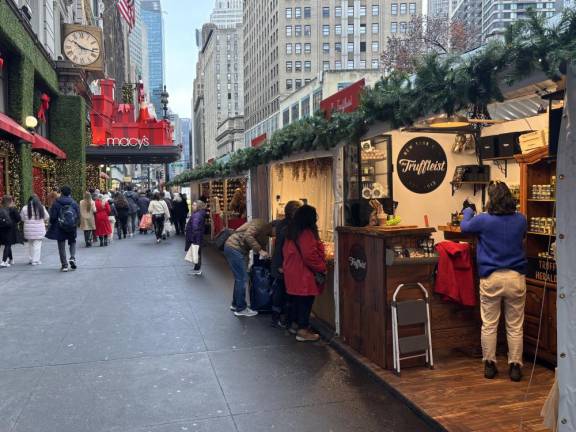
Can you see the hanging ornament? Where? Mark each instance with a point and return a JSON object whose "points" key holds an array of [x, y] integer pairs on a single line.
{"points": [[44, 106]]}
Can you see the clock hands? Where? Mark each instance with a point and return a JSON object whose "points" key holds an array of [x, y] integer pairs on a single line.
{"points": [[84, 48]]}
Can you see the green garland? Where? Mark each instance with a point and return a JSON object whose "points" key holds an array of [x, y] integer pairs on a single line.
{"points": [[14, 185], [441, 84]]}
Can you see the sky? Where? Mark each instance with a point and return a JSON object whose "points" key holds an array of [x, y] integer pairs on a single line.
{"points": [[181, 19]]}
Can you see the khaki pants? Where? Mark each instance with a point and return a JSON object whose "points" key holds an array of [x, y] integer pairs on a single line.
{"points": [[508, 286]]}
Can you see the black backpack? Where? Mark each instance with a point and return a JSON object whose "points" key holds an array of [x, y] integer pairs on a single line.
{"points": [[67, 218], [5, 219]]}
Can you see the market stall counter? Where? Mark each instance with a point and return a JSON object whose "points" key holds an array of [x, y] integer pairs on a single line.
{"points": [[373, 261]]}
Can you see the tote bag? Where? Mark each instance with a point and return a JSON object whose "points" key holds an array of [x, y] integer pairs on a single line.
{"points": [[192, 254]]}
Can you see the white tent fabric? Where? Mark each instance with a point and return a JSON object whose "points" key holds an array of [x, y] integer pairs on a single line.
{"points": [[566, 251]]}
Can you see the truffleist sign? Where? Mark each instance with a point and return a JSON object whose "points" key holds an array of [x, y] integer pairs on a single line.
{"points": [[357, 263], [422, 165]]}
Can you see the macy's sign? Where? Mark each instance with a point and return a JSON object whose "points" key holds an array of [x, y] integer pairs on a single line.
{"points": [[128, 142]]}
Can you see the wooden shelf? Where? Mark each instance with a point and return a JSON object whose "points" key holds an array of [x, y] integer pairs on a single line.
{"points": [[541, 200], [502, 158], [541, 234]]}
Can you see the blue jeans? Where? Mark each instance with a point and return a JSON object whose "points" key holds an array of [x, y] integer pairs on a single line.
{"points": [[237, 263]]}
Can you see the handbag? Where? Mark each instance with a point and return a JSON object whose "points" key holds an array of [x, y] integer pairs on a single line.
{"points": [[192, 254], [319, 277], [146, 222]]}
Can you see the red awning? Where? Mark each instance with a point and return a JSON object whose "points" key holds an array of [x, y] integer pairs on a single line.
{"points": [[12, 127], [43, 144]]}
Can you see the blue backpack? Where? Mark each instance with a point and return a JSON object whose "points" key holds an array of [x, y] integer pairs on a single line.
{"points": [[67, 218]]}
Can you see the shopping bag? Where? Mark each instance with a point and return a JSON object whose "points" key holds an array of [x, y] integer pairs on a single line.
{"points": [[261, 286], [146, 222], [195, 252], [190, 255], [168, 228]]}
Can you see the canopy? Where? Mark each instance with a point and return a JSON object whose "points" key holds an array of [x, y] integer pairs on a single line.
{"points": [[40, 143]]}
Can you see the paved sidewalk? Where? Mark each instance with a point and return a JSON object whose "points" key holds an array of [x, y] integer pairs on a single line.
{"points": [[130, 342]]}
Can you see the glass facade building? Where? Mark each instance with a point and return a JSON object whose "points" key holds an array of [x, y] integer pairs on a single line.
{"points": [[153, 20]]}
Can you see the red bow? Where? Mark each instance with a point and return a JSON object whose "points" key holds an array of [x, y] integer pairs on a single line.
{"points": [[44, 106], [1, 63]]}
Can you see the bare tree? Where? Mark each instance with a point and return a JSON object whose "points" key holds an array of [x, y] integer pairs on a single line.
{"points": [[424, 35]]}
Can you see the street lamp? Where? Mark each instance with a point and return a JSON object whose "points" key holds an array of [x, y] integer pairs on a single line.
{"points": [[164, 101]]}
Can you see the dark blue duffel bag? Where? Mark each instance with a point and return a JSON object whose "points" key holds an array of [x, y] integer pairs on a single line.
{"points": [[261, 286]]}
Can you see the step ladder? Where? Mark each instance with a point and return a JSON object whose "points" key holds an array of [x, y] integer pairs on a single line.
{"points": [[409, 313]]}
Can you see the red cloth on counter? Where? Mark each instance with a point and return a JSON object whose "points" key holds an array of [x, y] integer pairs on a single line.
{"points": [[236, 223], [455, 278]]}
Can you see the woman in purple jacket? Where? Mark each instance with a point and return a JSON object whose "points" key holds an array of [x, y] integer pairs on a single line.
{"points": [[195, 232]]}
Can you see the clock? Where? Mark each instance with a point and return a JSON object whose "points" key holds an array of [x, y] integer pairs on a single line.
{"points": [[82, 45]]}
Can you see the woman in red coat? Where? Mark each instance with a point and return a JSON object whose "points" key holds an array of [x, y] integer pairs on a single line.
{"points": [[103, 226], [304, 267]]}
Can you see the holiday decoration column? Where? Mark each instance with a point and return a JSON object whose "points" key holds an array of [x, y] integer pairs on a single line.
{"points": [[20, 105], [68, 121]]}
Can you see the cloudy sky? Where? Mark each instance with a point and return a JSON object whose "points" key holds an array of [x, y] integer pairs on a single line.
{"points": [[181, 18]]}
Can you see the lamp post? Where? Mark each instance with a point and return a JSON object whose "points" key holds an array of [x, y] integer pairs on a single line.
{"points": [[164, 101]]}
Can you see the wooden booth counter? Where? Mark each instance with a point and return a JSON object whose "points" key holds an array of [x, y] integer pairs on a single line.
{"points": [[368, 282]]}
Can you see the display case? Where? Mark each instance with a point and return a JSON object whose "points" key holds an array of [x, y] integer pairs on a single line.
{"points": [[538, 204]]}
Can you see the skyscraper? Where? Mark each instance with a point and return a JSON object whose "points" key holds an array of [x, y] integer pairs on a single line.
{"points": [[226, 13], [439, 7], [154, 22], [287, 43], [138, 46]]}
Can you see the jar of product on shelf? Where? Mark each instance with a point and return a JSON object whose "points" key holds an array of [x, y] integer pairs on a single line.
{"points": [[553, 187]]}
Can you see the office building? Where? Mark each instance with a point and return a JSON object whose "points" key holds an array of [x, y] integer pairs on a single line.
{"points": [[439, 8], [287, 43], [151, 11], [469, 12], [226, 13], [138, 48]]}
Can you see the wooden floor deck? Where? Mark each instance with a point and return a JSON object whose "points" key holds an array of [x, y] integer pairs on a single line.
{"points": [[458, 397]]}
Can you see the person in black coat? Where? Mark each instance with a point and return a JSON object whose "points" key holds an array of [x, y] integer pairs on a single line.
{"points": [[280, 300], [68, 209], [180, 212], [9, 219]]}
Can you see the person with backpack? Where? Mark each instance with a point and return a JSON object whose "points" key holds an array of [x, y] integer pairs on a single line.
{"points": [[304, 269], [35, 217], [123, 211], [252, 236], [64, 218], [103, 226], [195, 232], [9, 219], [132, 200], [87, 223]]}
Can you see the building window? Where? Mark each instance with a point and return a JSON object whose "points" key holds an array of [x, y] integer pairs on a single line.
{"points": [[297, 30], [288, 31], [326, 65], [338, 11], [307, 30], [375, 10], [394, 9], [298, 48], [307, 48], [326, 12], [412, 8], [402, 8], [289, 48], [362, 10], [338, 29], [286, 114], [375, 46], [298, 66], [362, 46], [350, 47], [403, 27], [288, 84], [326, 30], [375, 64], [362, 29], [375, 28], [350, 11], [297, 85], [305, 107], [307, 66], [362, 64], [289, 66], [338, 47], [338, 65], [394, 27], [350, 64], [307, 12], [350, 29], [326, 48], [288, 13]]}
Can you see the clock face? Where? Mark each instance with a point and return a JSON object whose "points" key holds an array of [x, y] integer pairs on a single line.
{"points": [[81, 48]]}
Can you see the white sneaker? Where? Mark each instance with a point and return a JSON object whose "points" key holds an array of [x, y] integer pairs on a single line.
{"points": [[199, 273], [4, 264], [232, 308], [246, 313]]}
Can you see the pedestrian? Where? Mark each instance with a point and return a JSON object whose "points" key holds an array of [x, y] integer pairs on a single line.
{"points": [[304, 269], [169, 222], [113, 218], [252, 236], [64, 219], [180, 211], [280, 301], [52, 196], [123, 215], [501, 260], [195, 232], [35, 217], [133, 220], [103, 226], [160, 213], [143, 203], [9, 219], [87, 222]]}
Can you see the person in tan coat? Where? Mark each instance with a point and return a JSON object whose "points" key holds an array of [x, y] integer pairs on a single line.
{"points": [[87, 222], [252, 236]]}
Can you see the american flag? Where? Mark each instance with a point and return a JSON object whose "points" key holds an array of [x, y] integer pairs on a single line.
{"points": [[128, 12]]}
